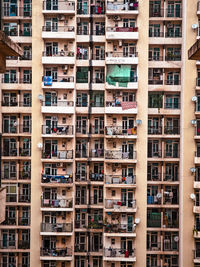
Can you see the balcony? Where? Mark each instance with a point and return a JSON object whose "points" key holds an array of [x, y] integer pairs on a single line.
{"points": [[154, 220], [9, 221], [121, 107], [121, 58], [57, 179], [96, 177], [61, 57], [56, 253], [119, 228], [96, 130], [194, 51], [58, 130], [56, 227], [56, 203], [120, 8], [197, 256], [59, 107], [171, 130], [154, 177], [25, 175], [118, 179], [118, 205], [59, 32], [119, 254], [156, 12], [118, 154], [16, 81], [169, 245], [15, 153], [120, 131], [154, 199], [60, 154], [112, 33], [17, 12], [58, 7], [81, 153]]}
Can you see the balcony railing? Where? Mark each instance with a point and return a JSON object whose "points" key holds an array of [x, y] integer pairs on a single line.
{"points": [[58, 29], [154, 130], [96, 129], [18, 11], [8, 244], [66, 79], [58, 129], [154, 176], [9, 175], [169, 199], [155, 82], [80, 248], [119, 228], [118, 203], [155, 154], [120, 130], [172, 82], [154, 199], [170, 177], [22, 244], [174, 13], [197, 254], [24, 198], [81, 153], [122, 29], [61, 53], [155, 58], [173, 34], [119, 252], [121, 54], [56, 252], [114, 154], [120, 6], [59, 154], [24, 221], [156, 34], [95, 201], [118, 179], [81, 200], [56, 203], [16, 80], [154, 220], [60, 5], [58, 103], [16, 104], [169, 245], [14, 32], [81, 129], [11, 197], [172, 105], [96, 177], [171, 153], [154, 246], [100, 56], [9, 221], [171, 130], [10, 153], [81, 177], [56, 227], [24, 175], [96, 153], [156, 12], [61, 179]]}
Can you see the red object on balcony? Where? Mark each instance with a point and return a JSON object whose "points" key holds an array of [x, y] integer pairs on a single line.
{"points": [[126, 254], [129, 29]]}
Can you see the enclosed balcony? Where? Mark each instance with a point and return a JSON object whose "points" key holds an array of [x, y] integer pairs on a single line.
{"points": [[58, 32], [15, 129], [56, 228], [58, 7], [113, 107], [17, 11], [119, 254], [113, 229], [112, 33], [117, 8]]}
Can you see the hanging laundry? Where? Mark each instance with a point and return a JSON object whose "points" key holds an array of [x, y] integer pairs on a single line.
{"points": [[128, 105]]}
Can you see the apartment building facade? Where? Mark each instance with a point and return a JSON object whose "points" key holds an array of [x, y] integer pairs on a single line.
{"points": [[99, 134]]}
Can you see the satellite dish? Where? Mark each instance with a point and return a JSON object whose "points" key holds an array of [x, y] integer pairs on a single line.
{"points": [[138, 122], [137, 220], [159, 195], [193, 122], [194, 98], [40, 97], [193, 169], [39, 145], [192, 196], [194, 26], [176, 238]]}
